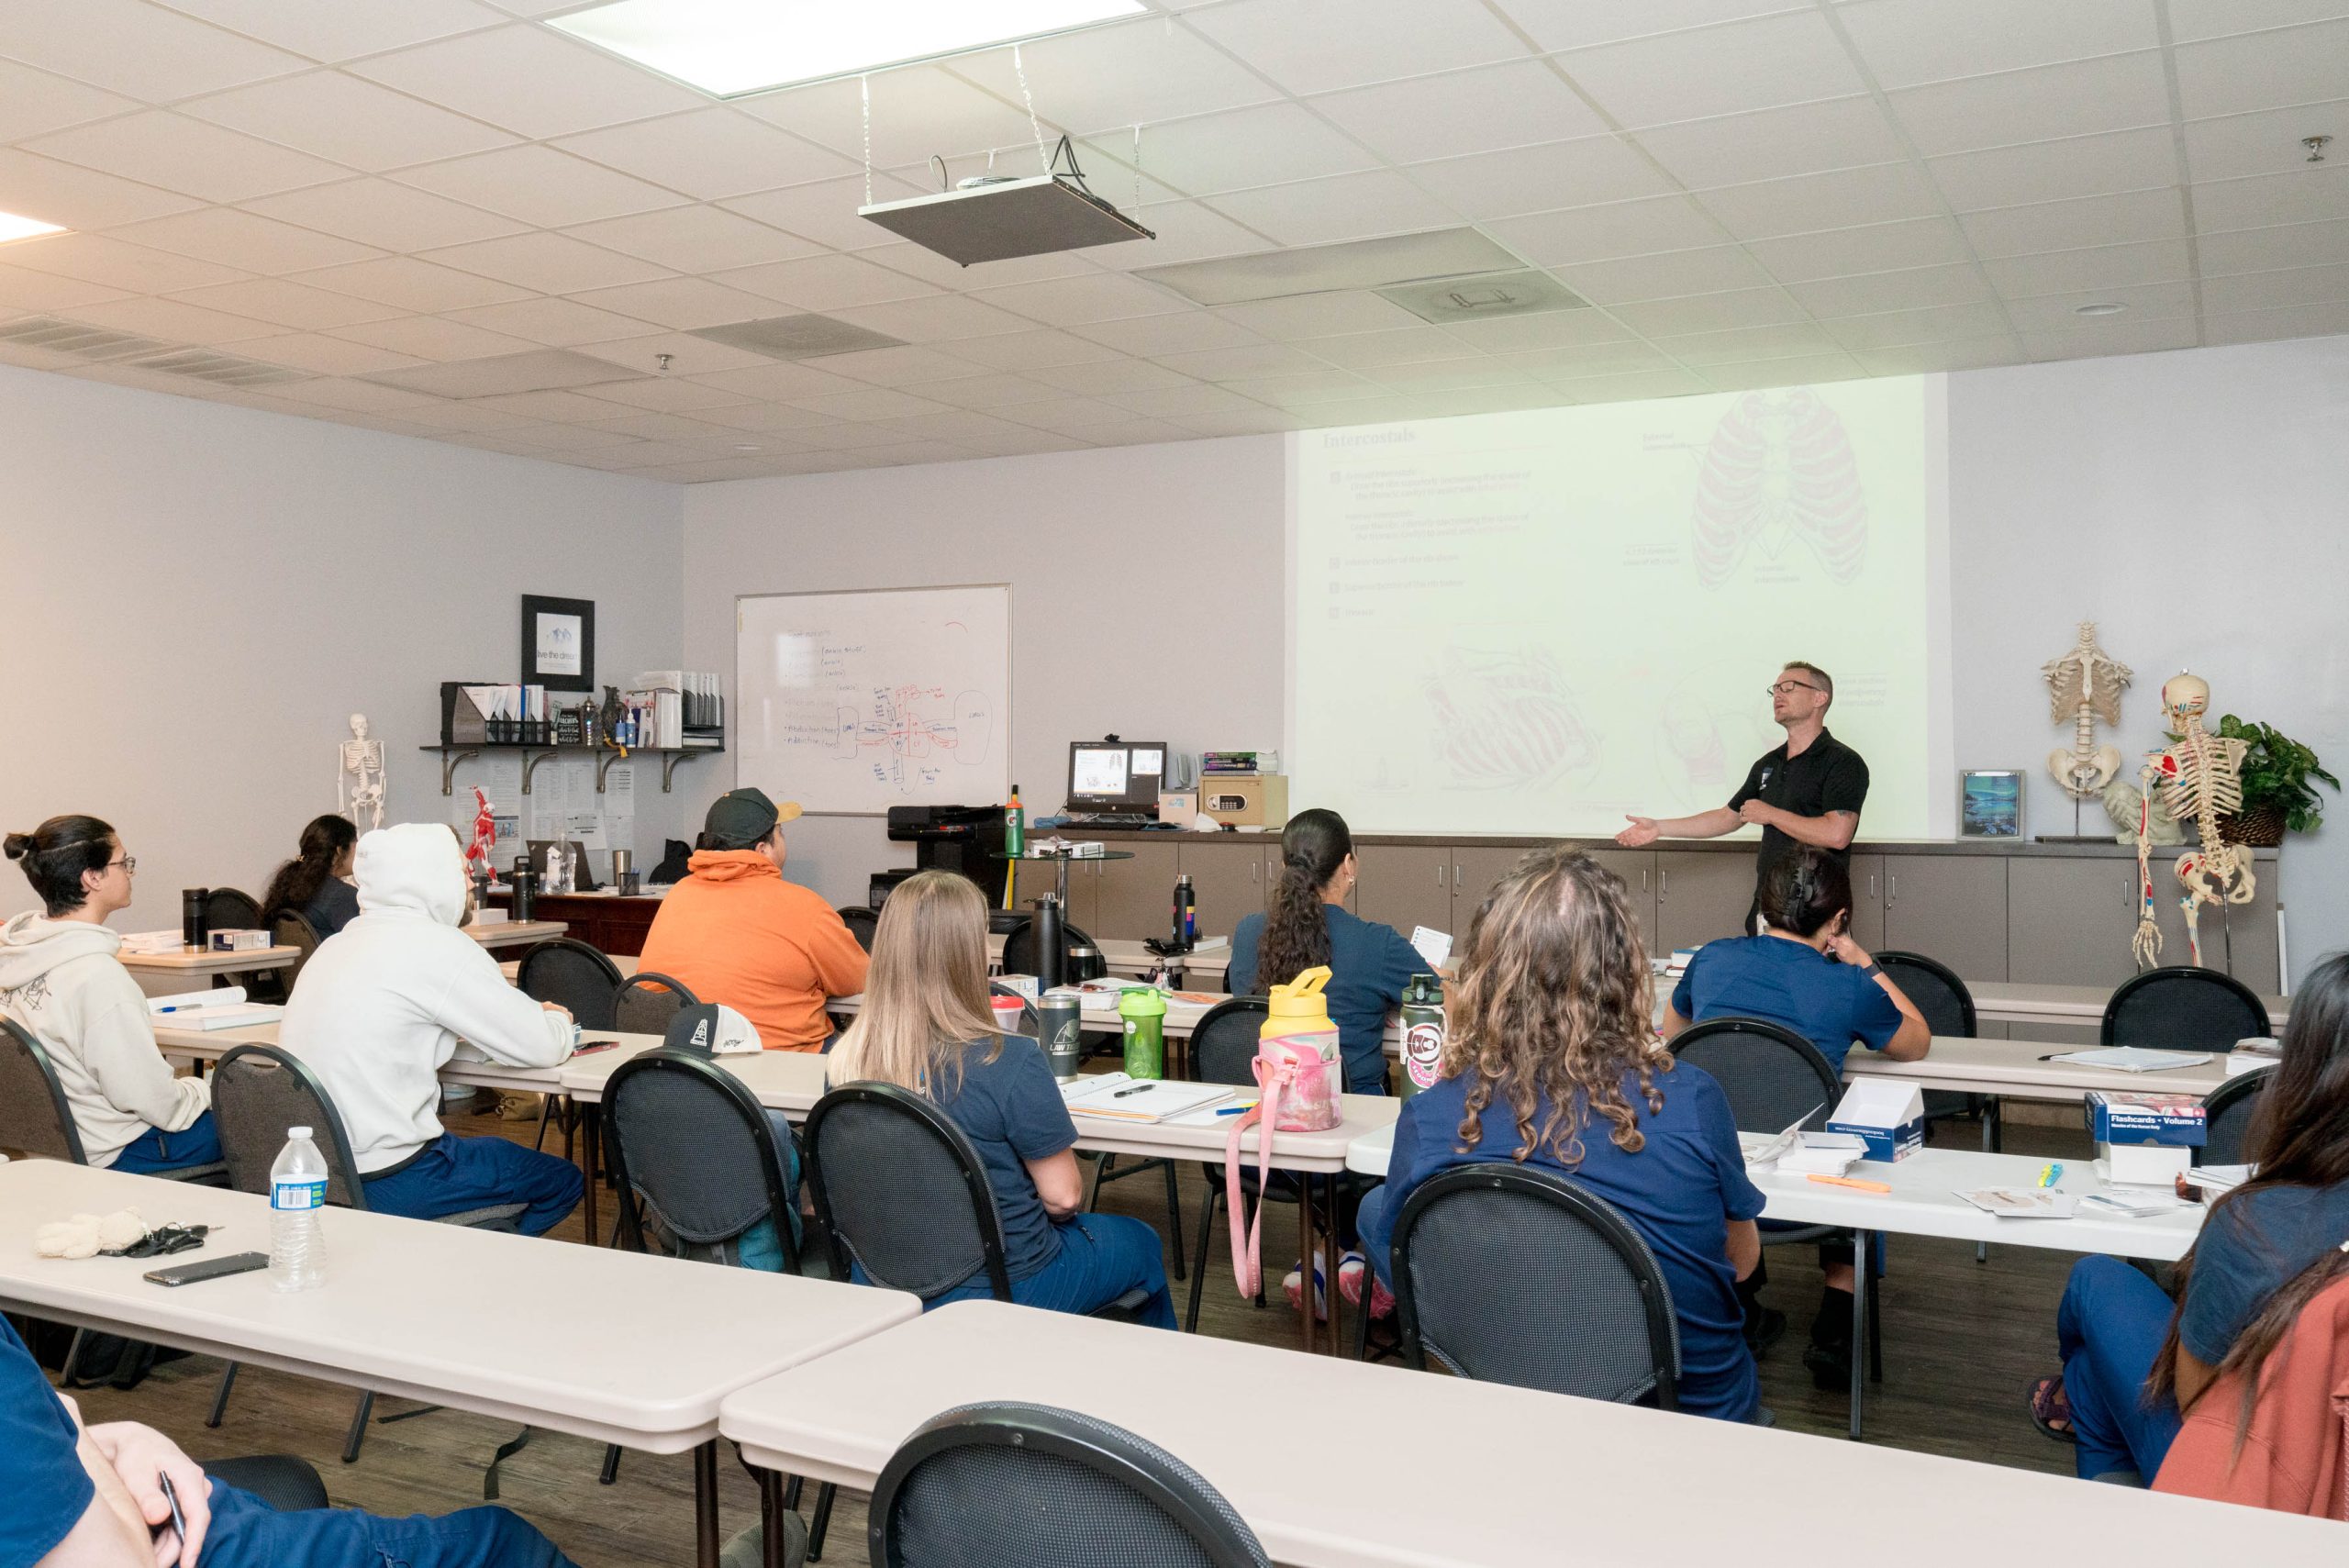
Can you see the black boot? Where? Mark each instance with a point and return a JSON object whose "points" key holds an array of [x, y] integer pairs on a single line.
{"points": [[1764, 1325], [1830, 1355]]}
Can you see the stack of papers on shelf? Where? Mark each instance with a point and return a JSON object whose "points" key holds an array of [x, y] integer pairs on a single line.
{"points": [[2135, 1058], [2022, 1202], [1114, 1096]]}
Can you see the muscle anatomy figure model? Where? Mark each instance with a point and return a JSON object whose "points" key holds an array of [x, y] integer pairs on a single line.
{"points": [[2083, 686], [2200, 776]]}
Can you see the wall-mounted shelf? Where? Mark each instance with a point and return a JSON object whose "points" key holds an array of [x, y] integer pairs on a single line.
{"points": [[534, 753]]}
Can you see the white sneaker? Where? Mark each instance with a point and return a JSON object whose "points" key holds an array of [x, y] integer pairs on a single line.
{"points": [[1293, 1287]]}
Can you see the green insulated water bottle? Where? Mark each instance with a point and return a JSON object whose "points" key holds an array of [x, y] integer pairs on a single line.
{"points": [[1145, 1012], [1422, 1033]]}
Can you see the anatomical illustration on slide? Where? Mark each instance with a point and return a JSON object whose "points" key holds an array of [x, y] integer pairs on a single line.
{"points": [[1778, 482], [1506, 718]]}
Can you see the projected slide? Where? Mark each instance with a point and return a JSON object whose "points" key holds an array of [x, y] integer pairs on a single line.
{"points": [[1538, 621]]}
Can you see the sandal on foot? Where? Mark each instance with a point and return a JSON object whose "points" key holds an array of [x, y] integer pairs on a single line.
{"points": [[2049, 1407]]}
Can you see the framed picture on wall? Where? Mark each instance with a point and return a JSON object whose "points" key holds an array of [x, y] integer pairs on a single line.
{"points": [[1990, 804], [559, 643]]}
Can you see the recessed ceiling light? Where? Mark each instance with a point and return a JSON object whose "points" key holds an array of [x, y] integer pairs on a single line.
{"points": [[732, 46], [746, 446], [2102, 307], [15, 227]]}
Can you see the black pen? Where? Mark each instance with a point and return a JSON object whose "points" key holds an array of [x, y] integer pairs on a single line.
{"points": [[1121, 1094], [171, 1496]]}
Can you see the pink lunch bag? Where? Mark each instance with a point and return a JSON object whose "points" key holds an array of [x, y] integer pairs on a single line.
{"points": [[1297, 1082]]}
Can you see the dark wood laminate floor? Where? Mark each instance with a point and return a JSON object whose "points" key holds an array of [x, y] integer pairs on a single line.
{"points": [[1962, 1341]]}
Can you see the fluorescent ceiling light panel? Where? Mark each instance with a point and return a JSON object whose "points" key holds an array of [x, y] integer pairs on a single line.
{"points": [[732, 46], [15, 227], [1324, 268]]}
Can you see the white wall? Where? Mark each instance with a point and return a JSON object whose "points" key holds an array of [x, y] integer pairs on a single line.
{"points": [[193, 597], [1148, 580]]}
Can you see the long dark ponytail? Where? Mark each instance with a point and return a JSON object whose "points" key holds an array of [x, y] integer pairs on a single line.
{"points": [[298, 880], [1297, 932], [57, 853]]}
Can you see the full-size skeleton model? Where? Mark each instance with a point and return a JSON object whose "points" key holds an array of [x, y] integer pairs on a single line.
{"points": [[2200, 776], [361, 783], [2083, 686]]}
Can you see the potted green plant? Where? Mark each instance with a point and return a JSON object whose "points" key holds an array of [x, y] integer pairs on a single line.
{"points": [[2278, 791]]}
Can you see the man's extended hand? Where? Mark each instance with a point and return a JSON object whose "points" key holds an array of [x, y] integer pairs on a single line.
{"points": [[1639, 835]]}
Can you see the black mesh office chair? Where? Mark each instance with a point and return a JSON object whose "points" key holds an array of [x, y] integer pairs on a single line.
{"points": [[33, 1115], [986, 1485], [862, 923], [571, 974], [2183, 1008], [1948, 1007], [287, 1485], [646, 1001], [259, 1091], [1223, 1046], [2227, 1114], [1508, 1275], [226, 909], [1019, 952], [292, 928]]}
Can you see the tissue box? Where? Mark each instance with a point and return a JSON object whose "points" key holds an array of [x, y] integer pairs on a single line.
{"points": [[1888, 1116], [235, 940], [2131, 1117]]}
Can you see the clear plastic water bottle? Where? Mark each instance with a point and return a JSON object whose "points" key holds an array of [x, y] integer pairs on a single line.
{"points": [[297, 1191]]}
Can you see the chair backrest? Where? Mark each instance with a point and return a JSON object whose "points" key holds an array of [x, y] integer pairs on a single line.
{"points": [[573, 976], [1517, 1275], [2227, 1113], [647, 1001], [886, 1165], [1935, 986], [1019, 949], [861, 922], [260, 1091], [33, 1115], [1012, 1483], [1223, 1042], [2183, 1008], [292, 928], [689, 1140], [1771, 1074], [226, 909]]}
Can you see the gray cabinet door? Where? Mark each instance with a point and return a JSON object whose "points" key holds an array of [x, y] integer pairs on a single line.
{"points": [[1475, 869], [1226, 876], [1867, 905], [1637, 868], [2239, 939], [1135, 898], [2069, 919], [1701, 895], [1948, 908], [1404, 885]]}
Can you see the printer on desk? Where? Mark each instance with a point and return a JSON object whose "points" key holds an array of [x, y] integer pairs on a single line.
{"points": [[947, 837]]}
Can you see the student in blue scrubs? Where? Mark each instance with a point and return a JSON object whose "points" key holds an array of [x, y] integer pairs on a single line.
{"points": [[90, 1496], [1549, 1061], [2131, 1359], [1805, 973]]}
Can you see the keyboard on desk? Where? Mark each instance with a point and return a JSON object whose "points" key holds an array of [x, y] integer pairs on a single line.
{"points": [[1109, 820]]}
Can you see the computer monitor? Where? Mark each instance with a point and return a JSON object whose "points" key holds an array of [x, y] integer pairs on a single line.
{"points": [[1116, 776]]}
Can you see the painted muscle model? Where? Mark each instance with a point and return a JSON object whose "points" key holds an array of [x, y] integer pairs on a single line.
{"points": [[2199, 775]]}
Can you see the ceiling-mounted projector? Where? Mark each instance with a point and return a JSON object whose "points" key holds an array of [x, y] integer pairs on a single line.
{"points": [[994, 219]]}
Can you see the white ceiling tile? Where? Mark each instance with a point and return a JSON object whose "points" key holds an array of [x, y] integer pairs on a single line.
{"points": [[387, 216], [825, 211], [935, 319], [2112, 338], [654, 425], [546, 263], [1032, 350], [30, 291], [332, 32], [904, 366], [1842, 198], [1254, 420], [710, 153], [694, 238], [1370, 350], [353, 122], [529, 80], [2265, 249], [552, 406], [1171, 334], [2060, 312], [32, 102], [1310, 388], [1520, 103], [1317, 314], [2039, 105], [994, 391], [1741, 345], [1186, 231], [2305, 196], [824, 283], [1301, 46], [916, 111], [2056, 171], [682, 302], [1905, 42], [871, 403], [1348, 207], [1247, 363], [1710, 312], [1112, 378], [174, 322], [432, 338], [557, 323], [1913, 288], [1574, 24], [2096, 269], [185, 155], [328, 356], [1915, 359], [411, 284], [1665, 276], [1450, 375], [2266, 326], [2070, 225], [2265, 143], [688, 356], [1757, 64], [1235, 149], [1808, 369], [290, 305], [1876, 247], [75, 197], [540, 186], [2259, 71], [1079, 301], [777, 379], [130, 46], [470, 416], [905, 256], [1185, 400], [954, 424], [1770, 144], [112, 264], [1030, 442], [1583, 172], [1549, 329], [243, 240], [663, 394], [1140, 72], [2191, 19], [1615, 229], [1894, 328], [2255, 291]]}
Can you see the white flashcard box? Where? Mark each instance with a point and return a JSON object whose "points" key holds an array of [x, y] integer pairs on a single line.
{"points": [[1888, 1116]]}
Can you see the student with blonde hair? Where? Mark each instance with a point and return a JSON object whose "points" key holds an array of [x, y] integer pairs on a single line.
{"points": [[926, 1026], [1550, 1061]]}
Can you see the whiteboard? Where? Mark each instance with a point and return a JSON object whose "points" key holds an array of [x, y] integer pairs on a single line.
{"points": [[852, 703]]}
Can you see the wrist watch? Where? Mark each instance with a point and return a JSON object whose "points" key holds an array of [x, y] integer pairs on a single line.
{"points": [[1871, 969]]}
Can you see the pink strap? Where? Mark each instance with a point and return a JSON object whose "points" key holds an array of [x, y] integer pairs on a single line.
{"points": [[1247, 1252]]}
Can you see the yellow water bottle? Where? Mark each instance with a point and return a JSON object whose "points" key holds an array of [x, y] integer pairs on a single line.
{"points": [[1299, 1009]]}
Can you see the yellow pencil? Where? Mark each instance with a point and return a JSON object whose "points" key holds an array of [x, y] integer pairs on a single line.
{"points": [[1849, 1182]]}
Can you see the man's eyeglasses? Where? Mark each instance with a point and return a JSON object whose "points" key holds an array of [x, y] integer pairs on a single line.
{"points": [[1783, 687], [130, 864]]}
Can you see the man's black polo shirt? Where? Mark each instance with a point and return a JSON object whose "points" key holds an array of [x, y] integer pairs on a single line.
{"points": [[1827, 777]]}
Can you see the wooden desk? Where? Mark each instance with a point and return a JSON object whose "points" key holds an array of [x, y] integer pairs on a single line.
{"points": [[191, 963], [605, 921], [645, 1367], [499, 934], [2008, 1001], [2011, 1068], [1490, 1466]]}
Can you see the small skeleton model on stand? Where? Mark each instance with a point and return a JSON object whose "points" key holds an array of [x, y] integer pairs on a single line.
{"points": [[362, 784], [2083, 686], [2201, 776]]}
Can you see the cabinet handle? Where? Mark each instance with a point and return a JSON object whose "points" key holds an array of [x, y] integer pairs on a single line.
{"points": [[1662, 883], [1871, 884], [1643, 882], [1255, 871], [1891, 889], [1456, 873], [1438, 874]]}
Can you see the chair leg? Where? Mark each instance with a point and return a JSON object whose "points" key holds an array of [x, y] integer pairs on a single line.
{"points": [[220, 1398], [1174, 1218], [1990, 1141], [1860, 1317], [1101, 1164], [358, 1428], [1199, 1264], [1875, 1330], [1362, 1315], [546, 1111], [611, 1471], [821, 1522]]}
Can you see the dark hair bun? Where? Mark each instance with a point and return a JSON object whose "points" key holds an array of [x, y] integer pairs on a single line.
{"points": [[19, 845]]}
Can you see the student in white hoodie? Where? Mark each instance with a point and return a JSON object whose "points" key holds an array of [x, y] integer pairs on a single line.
{"points": [[60, 980], [378, 1011]]}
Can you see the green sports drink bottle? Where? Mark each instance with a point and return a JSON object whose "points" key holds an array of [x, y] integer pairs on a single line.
{"points": [[1015, 825]]}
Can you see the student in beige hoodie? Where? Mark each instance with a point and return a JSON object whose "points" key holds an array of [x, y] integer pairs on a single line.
{"points": [[60, 981]]}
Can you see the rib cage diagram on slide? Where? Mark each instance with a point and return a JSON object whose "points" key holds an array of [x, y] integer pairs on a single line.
{"points": [[1779, 467], [1506, 718]]}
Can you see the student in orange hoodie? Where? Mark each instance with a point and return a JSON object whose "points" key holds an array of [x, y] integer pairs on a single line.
{"points": [[736, 933]]}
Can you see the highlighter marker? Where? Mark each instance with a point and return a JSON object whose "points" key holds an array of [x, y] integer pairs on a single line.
{"points": [[1849, 1182]]}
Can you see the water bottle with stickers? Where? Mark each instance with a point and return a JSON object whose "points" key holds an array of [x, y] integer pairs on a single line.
{"points": [[297, 1191]]}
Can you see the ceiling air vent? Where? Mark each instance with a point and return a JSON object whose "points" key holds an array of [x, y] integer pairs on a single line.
{"points": [[83, 342], [1487, 295], [798, 337], [221, 370]]}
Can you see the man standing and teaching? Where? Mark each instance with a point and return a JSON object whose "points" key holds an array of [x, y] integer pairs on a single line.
{"points": [[1809, 791]]}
